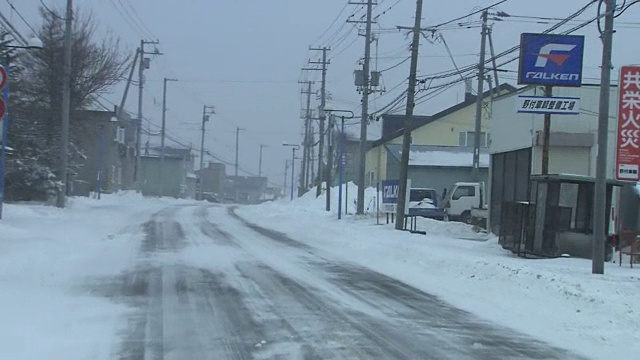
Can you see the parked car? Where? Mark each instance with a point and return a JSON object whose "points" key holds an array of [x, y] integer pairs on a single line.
{"points": [[425, 202], [466, 200], [210, 197]]}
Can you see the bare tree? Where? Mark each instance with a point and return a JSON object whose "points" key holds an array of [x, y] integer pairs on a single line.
{"points": [[96, 66]]}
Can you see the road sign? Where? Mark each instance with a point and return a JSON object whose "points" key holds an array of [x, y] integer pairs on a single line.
{"points": [[390, 191], [3, 77], [628, 147], [548, 105], [551, 59]]}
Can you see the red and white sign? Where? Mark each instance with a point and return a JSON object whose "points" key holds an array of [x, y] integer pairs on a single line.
{"points": [[628, 150]]}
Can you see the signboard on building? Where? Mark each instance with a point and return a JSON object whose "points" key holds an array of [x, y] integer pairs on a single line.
{"points": [[628, 147], [390, 191], [551, 59], [548, 105]]}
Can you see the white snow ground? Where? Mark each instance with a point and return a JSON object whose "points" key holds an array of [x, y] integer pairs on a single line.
{"points": [[557, 300], [46, 256]]}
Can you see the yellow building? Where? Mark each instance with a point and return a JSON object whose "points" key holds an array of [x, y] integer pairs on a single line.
{"points": [[451, 127]]}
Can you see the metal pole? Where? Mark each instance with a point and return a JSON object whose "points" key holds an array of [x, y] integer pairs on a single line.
{"points": [[66, 106], [600, 201], [365, 112], [5, 130], [293, 169], [162, 135], [137, 178], [341, 167], [163, 132], [406, 138], [204, 120], [260, 162], [237, 148], [479, 99], [284, 184], [546, 134]]}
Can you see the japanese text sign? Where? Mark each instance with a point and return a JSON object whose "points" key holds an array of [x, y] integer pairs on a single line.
{"points": [[628, 149]]}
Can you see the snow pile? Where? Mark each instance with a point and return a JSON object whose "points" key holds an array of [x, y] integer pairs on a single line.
{"points": [[557, 300], [308, 203]]}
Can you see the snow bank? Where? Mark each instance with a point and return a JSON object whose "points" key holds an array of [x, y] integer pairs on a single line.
{"points": [[48, 256], [557, 301]]}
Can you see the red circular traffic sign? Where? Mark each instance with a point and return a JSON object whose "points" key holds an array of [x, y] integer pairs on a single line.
{"points": [[3, 77], [3, 108]]}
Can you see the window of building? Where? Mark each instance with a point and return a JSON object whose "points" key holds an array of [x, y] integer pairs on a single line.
{"points": [[466, 138]]}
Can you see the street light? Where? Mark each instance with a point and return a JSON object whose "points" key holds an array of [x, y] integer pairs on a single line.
{"points": [[342, 118], [293, 147], [34, 44]]}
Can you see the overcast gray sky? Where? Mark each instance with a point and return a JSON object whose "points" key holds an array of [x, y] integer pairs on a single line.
{"points": [[244, 57]]}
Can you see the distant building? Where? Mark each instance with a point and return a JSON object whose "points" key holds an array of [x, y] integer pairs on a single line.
{"points": [[108, 145], [177, 178], [245, 189], [212, 178], [437, 167], [450, 127]]}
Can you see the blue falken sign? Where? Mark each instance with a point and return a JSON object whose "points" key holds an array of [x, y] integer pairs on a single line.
{"points": [[551, 59]]}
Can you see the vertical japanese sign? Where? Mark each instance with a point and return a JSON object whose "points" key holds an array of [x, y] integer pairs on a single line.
{"points": [[628, 149]]}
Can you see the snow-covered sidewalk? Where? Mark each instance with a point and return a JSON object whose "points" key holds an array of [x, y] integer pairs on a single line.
{"points": [[557, 301], [47, 258]]}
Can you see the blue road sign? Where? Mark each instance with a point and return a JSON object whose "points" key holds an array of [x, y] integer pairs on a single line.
{"points": [[551, 59]]}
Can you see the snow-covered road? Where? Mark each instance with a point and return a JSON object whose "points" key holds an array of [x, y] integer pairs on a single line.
{"points": [[210, 284]]}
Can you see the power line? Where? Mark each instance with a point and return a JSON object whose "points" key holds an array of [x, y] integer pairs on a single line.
{"points": [[22, 18], [136, 15]]}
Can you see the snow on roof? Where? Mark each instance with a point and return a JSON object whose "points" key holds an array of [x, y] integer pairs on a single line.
{"points": [[192, 176], [446, 158]]}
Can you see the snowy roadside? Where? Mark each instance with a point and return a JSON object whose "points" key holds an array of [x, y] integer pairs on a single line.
{"points": [[47, 256], [557, 300]]}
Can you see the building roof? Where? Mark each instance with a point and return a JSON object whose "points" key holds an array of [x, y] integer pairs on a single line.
{"points": [[420, 120], [248, 182], [169, 153], [440, 156]]}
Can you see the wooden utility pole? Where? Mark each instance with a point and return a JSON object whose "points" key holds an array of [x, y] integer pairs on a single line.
{"points": [[366, 68], [323, 101], [66, 106], [406, 138], [479, 99], [600, 198]]}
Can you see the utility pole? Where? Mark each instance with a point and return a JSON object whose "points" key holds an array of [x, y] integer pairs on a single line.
{"points": [[144, 64], [493, 60], [66, 106], [600, 200], [546, 134], [323, 99], [238, 129], [479, 100], [163, 132], [306, 142], [365, 106], [260, 162], [408, 119], [284, 185], [206, 111], [329, 163]]}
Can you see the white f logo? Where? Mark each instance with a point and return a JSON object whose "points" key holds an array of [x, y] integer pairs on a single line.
{"points": [[545, 54]]}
